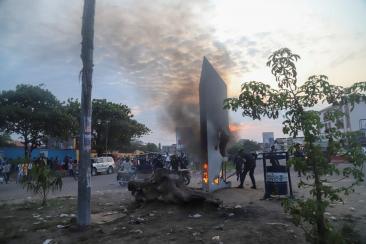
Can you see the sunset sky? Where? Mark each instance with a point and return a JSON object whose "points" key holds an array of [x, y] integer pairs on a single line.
{"points": [[147, 50]]}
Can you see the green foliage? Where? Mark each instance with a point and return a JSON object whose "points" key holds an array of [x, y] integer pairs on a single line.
{"points": [[5, 140], [33, 113], [109, 120], [259, 100], [41, 179], [151, 147], [247, 145]]}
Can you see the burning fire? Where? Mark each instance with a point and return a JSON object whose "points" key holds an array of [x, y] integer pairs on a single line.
{"points": [[234, 127], [216, 181], [205, 173]]}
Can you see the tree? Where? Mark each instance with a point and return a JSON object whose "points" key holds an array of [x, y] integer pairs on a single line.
{"points": [[259, 100], [245, 144], [5, 140], [33, 113], [87, 46], [151, 147], [113, 125], [41, 180]]}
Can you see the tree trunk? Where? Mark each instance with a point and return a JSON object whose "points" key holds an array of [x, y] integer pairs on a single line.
{"points": [[44, 197], [87, 33], [26, 153], [320, 221]]}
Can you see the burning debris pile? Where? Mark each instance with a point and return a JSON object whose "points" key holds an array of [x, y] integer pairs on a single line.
{"points": [[168, 187]]}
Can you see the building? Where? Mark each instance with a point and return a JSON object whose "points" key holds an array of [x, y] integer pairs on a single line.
{"points": [[351, 121], [268, 140], [170, 149], [56, 143], [285, 143], [184, 136]]}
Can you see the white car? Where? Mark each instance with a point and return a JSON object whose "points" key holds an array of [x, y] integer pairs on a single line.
{"points": [[102, 165]]}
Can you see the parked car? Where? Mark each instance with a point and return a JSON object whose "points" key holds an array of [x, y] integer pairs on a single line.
{"points": [[102, 165]]}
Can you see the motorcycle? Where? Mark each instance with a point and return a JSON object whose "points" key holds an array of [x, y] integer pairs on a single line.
{"points": [[185, 175]]}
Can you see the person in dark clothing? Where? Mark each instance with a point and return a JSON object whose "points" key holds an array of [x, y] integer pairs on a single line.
{"points": [[272, 157], [249, 166], [298, 154], [183, 161], [174, 162], [239, 164], [158, 162]]}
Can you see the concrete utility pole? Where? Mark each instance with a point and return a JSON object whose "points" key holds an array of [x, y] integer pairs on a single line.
{"points": [[87, 33]]}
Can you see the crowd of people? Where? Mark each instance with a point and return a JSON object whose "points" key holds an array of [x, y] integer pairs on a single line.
{"points": [[5, 168], [246, 162], [22, 169], [152, 161]]}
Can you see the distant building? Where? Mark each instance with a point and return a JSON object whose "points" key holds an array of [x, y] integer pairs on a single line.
{"points": [[268, 140], [170, 149], [55, 143], [183, 134], [284, 144], [352, 120]]}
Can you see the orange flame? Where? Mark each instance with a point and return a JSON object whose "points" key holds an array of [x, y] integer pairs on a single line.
{"points": [[234, 127], [205, 173], [216, 181]]}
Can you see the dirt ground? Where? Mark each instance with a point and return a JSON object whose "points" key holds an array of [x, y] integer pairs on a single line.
{"points": [[243, 218], [119, 219]]}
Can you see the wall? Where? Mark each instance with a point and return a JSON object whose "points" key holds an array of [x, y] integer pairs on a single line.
{"points": [[358, 113], [18, 152]]}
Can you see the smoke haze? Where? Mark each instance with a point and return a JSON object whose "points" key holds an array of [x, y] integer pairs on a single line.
{"points": [[156, 46]]}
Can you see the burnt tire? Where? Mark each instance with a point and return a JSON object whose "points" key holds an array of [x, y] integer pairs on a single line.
{"points": [[186, 179]]}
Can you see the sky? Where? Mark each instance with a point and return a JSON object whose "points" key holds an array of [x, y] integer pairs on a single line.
{"points": [[148, 54]]}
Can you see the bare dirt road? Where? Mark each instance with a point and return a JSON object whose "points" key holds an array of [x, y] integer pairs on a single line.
{"points": [[243, 218]]}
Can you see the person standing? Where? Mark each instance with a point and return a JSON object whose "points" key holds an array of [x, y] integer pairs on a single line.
{"points": [[273, 157], [299, 154], [69, 167], [75, 169], [158, 162], [20, 172], [174, 163], [6, 171], [239, 164], [249, 166]]}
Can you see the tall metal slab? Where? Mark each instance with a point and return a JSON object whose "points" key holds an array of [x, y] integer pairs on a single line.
{"points": [[214, 127]]}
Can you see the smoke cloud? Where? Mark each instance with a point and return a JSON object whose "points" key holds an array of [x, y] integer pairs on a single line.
{"points": [[160, 47], [156, 46]]}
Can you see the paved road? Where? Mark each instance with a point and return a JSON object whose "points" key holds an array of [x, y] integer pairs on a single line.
{"points": [[108, 183], [100, 183]]}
